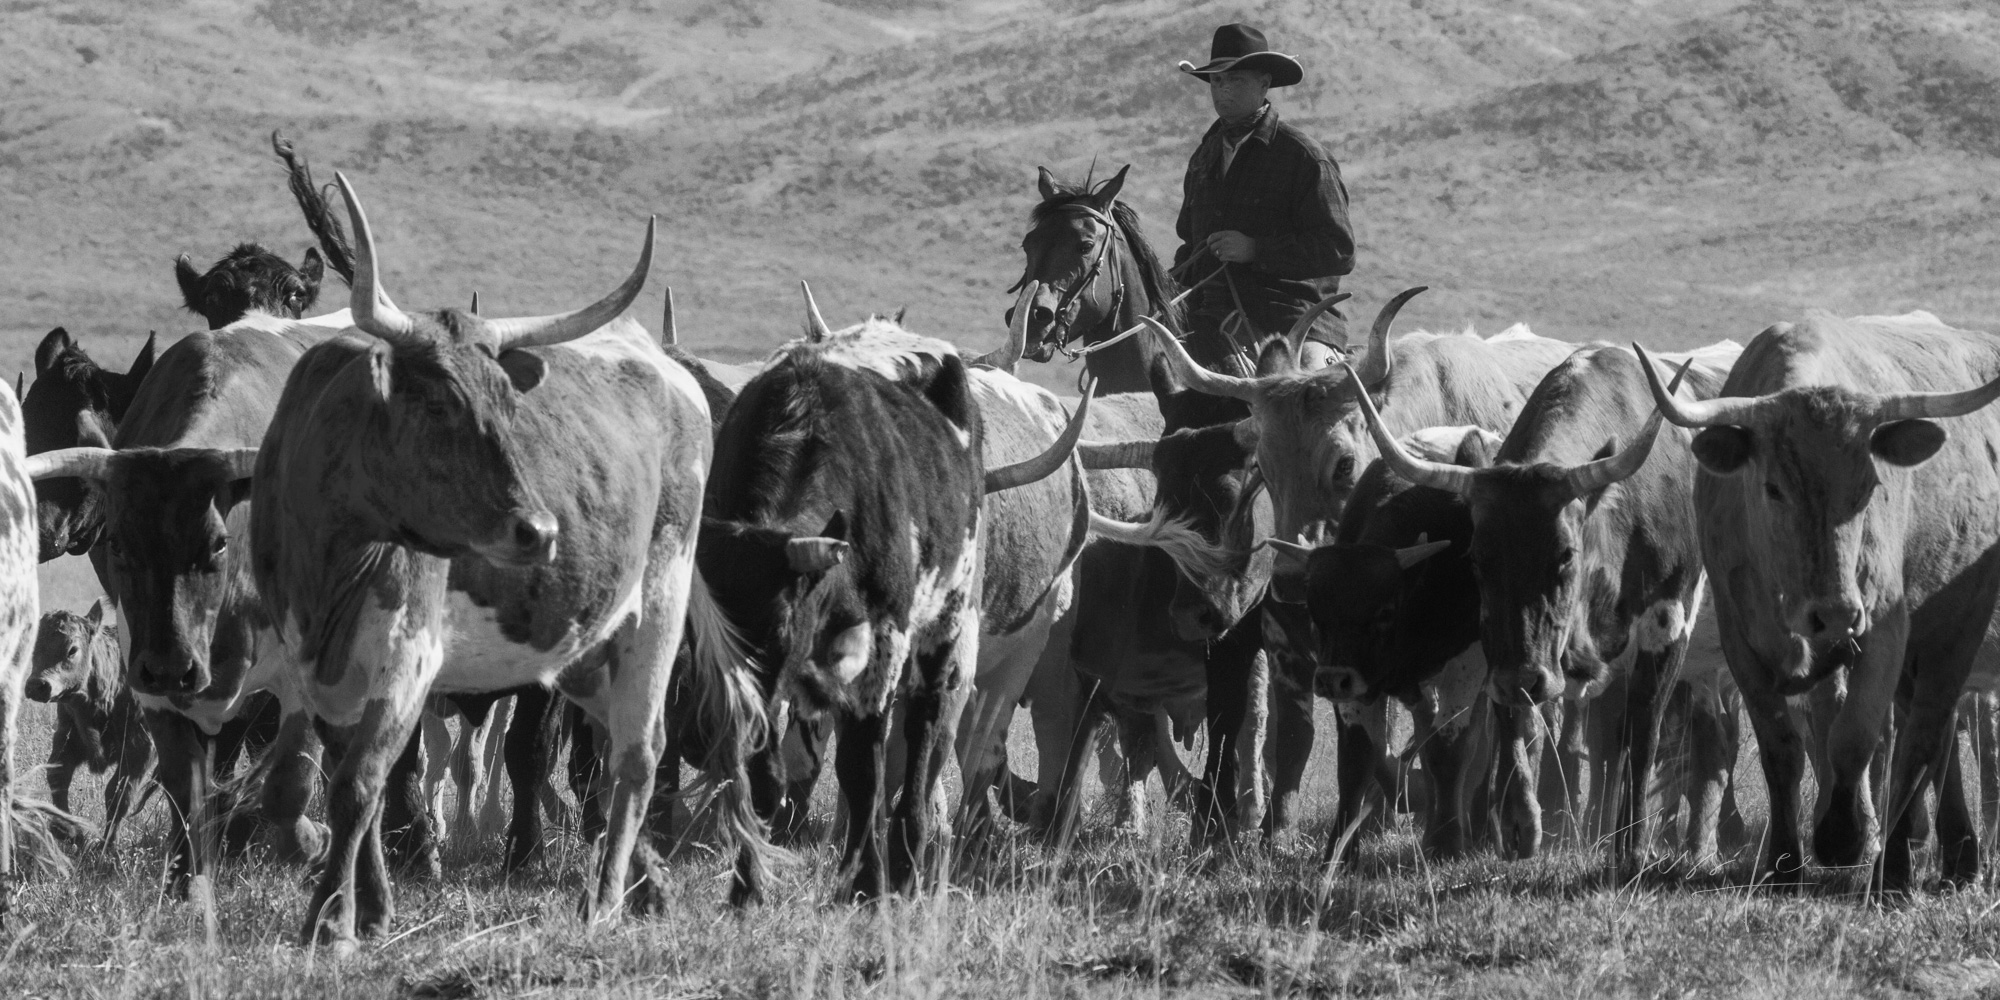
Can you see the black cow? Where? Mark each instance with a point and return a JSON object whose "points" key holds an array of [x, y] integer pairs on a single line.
{"points": [[839, 554], [74, 402], [250, 279]]}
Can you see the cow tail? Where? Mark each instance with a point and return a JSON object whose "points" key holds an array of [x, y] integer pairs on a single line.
{"points": [[1196, 556], [730, 712]]}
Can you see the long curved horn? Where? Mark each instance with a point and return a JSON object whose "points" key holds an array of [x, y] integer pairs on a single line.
{"points": [[1045, 464], [546, 331], [1198, 378], [1296, 339], [1934, 405], [85, 463], [1375, 367], [816, 330], [1590, 477], [241, 462], [1117, 454], [374, 312], [1423, 472], [670, 335], [1296, 550], [1722, 411], [1009, 354]]}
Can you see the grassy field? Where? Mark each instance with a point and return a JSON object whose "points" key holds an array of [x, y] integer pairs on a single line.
{"points": [[1125, 914]]}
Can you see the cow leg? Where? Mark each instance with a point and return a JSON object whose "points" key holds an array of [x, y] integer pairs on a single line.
{"points": [[185, 777], [492, 751], [1066, 790], [288, 789], [1006, 664], [1229, 668], [251, 731], [65, 756], [858, 766], [804, 755], [586, 772], [529, 744], [1360, 733], [1848, 833], [353, 898], [128, 782], [945, 677], [451, 756], [1983, 719], [1290, 733], [408, 829], [1958, 839], [1519, 738], [1654, 672], [1137, 744], [1711, 757], [1565, 771]]}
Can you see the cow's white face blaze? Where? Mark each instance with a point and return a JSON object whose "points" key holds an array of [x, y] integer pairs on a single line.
{"points": [[1312, 445]]}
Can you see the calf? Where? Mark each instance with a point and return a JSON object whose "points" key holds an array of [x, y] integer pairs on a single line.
{"points": [[76, 669], [1394, 608], [840, 558]]}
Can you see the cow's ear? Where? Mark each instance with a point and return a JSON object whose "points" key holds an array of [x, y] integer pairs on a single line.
{"points": [[312, 269], [951, 392], [141, 364], [1474, 450], [525, 369], [96, 615], [190, 282], [1722, 450], [1906, 442], [380, 360], [52, 347]]}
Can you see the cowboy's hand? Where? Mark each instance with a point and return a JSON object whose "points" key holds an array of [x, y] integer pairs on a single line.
{"points": [[1232, 246]]}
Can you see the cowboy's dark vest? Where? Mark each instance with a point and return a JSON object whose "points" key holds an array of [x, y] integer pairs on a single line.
{"points": [[1283, 191]]}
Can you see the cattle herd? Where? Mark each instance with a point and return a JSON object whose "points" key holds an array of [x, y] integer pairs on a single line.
{"points": [[1520, 569]]}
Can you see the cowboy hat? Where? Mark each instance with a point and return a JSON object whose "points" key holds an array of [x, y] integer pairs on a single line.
{"points": [[1240, 46]]}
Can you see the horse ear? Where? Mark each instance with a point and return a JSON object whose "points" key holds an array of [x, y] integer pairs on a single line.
{"points": [[1107, 192], [1046, 182]]}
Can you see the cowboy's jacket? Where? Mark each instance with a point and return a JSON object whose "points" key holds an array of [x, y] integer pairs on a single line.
{"points": [[1283, 191]]}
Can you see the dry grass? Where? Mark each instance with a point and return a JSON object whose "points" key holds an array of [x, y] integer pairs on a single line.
{"points": [[1122, 915]]}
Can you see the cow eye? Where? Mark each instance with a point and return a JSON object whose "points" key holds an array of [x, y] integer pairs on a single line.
{"points": [[72, 653], [1771, 490], [1343, 469], [219, 545]]}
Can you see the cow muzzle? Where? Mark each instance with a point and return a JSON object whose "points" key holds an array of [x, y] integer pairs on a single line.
{"points": [[156, 674], [41, 689], [526, 538], [1826, 623]]}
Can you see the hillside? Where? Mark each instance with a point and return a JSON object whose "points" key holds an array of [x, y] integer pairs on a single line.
{"points": [[1673, 172]]}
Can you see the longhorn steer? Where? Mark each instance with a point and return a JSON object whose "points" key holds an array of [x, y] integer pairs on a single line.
{"points": [[1309, 437], [174, 560], [1846, 528], [20, 602], [1586, 554], [467, 504]]}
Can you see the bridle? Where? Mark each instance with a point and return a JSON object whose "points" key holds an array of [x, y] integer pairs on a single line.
{"points": [[1071, 301]]}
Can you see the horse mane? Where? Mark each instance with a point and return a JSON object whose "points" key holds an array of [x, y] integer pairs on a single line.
{"points": [[1160, 286]]}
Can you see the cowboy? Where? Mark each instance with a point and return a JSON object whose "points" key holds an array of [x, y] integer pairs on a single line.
{"points": [[1262, 200]]}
